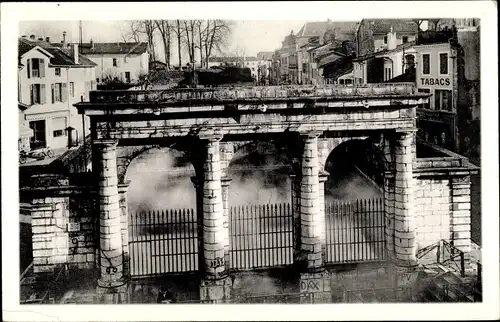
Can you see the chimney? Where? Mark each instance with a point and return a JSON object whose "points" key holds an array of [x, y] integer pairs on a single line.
{"points": [[392, 41], [47, 39], [64, 38], [32, 37], [75, 53]]}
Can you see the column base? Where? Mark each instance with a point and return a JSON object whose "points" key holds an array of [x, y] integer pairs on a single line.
{"points": [[115, 292], [406, 276], [216, 291], [315, 287]]}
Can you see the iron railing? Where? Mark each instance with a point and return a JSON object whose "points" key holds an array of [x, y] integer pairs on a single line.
{"points": [[163, 242], [446, 254], [260, 236], [355, 231]]}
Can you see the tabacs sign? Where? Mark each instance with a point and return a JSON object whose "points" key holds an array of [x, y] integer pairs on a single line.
{"points": [[435, 81]]}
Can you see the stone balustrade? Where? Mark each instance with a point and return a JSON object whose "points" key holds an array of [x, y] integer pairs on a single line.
{"points": [[257, 92]]}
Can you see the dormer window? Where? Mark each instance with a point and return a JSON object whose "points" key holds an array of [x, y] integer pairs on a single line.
{"points": [[36, 67]]}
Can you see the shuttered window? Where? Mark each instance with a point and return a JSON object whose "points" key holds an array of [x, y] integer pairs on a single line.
{"points": [[37, 93], [59, 92]]}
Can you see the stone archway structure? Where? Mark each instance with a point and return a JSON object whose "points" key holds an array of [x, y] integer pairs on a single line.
{"points": [[207, 123]]}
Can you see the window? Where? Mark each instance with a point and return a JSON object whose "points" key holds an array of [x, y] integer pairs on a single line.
{"points": [[57, 71], [38, 139], [36, 67], [97, 79], [348, 81], [37, 93], [443, 64], [72, 89], [59, 124], [387, 73], [341, 81], [125, 59], [405, 39], [115, 63], [442, 100], [59, 93], [425, 90], [127, 77], [426, 64], [385, 39]]}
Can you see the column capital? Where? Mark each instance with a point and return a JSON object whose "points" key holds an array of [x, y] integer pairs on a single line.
{"points": [[111, 142], [123, 187], [323, 175], [225, 181], [311, 134], [210, 137]]}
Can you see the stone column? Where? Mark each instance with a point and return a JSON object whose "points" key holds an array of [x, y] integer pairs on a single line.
{"points": [[310, 213], [122, 191], [225, 207], [323, 177], [295, 206], [461, 217], [214, 286], [111, 284], [404, 222], [389, 213], [198, 184]]}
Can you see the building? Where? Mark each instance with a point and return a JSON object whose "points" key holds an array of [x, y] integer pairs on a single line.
{"points": [[288, 60], [25, 133], [119, 60], [51, 80], [434, 62], [372, 34], [319, 33], [253, 63]]}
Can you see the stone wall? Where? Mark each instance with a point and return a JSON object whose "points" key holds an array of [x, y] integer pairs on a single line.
{"points": [[432, 210], [63, 227]]}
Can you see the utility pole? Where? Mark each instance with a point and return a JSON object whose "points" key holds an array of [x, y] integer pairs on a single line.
{"points": [[80, 40]]}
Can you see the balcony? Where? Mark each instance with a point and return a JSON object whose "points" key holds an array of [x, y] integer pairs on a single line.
{"points": [[205, 95]]}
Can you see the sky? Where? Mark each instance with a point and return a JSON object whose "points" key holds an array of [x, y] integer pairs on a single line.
{"points": [[248, 36]]}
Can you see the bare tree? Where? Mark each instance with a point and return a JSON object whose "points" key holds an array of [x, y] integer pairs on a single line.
{"points": [[140, 29], [200, 24], [165, 28], [132, 31], [216, 36], [178, 30], [149, 30], [189, 32]]}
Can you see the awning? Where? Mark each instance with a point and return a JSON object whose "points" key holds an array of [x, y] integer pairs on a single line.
{"points": [[25, 132]]}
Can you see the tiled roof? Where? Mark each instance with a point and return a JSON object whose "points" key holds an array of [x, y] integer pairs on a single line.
{"points": [[318, 28], [383, 26], [231, 59], [130, 48], [62, 56], [387, 51]]}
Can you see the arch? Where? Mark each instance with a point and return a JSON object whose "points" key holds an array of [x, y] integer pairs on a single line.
{"points": [[356, 167], [159, 177], [260, 173]]}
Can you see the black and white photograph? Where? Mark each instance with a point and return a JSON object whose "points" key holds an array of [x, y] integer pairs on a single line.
{"points": [[189, 159]]}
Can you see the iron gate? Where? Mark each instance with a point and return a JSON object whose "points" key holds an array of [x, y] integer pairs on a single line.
{"points": [[355, 231], [260, 236], [163, 242]]}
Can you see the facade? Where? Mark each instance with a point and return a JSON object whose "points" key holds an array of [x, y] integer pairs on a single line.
{"points": [[437, 68], [25, 133], [372, 34], [123, 61], [51, 81], [288, 60], [253, 63]]}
